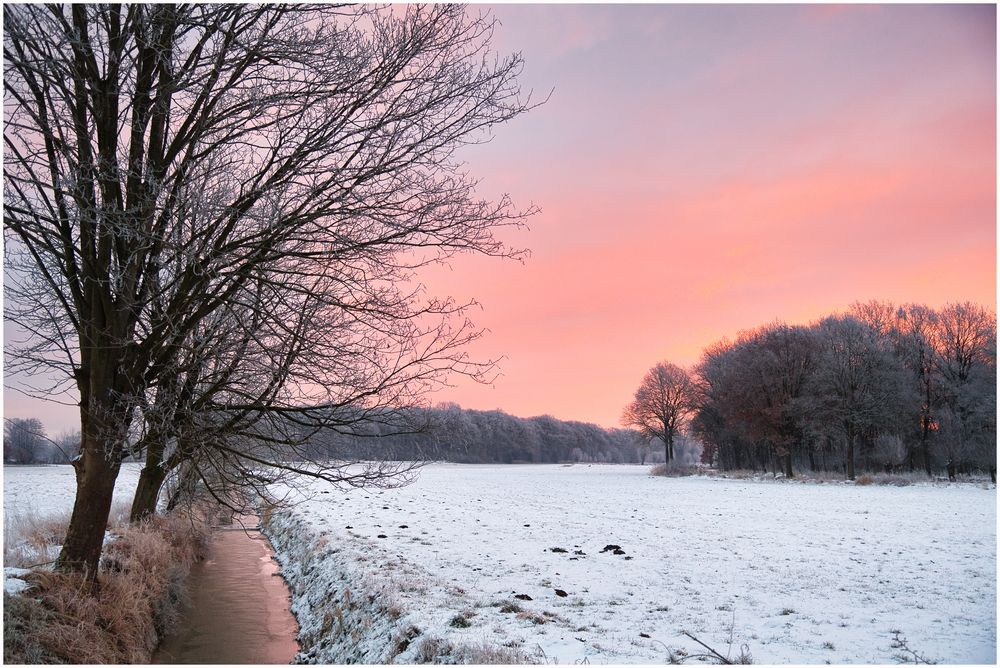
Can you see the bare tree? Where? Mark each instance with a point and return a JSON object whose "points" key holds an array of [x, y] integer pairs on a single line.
{"points": [[24, 441], [164, 162], [663, 402], [917, 325], [224, 412], [855, 386], [965, 370]]}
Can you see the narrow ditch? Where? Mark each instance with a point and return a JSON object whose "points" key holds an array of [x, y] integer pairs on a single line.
{"points": [[238, 607]]}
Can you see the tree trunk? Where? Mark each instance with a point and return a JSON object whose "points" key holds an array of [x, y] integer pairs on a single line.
{"points": [[105, 414], [925, 428], [151, 479], [788, 465], [147, 491], [850, 457], [95, 476]]}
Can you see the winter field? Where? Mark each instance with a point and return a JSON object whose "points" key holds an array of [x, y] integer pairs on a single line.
{"points": [[49, 490], [799, 573]]}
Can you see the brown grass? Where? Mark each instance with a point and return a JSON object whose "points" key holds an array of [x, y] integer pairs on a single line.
{"points": [[532, 617], [437, 650], [140, 586], [865, 479], [673, 470], [29, 538]]}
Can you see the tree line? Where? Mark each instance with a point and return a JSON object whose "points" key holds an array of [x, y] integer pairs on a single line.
{"points": [[450, 433], [882, 387], [26, 442]]}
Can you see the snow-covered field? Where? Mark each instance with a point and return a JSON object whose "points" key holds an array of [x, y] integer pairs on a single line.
{"points": [[799, 573], [49, 490]]}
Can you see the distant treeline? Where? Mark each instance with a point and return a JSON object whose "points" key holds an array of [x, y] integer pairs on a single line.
{"points": [[881, 388], [450, 433], [25, 442]]}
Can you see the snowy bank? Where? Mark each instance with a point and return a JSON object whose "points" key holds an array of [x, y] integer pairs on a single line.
{"points": [[143, 571], [351, 605]]}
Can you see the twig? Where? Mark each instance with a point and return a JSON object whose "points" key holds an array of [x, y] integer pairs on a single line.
{"points": [[723, 660], [899, 642]]}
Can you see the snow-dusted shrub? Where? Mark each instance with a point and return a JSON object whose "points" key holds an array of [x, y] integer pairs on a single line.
{"points": [[889, 450], [674, 469], [895, 479], [438, 650]]}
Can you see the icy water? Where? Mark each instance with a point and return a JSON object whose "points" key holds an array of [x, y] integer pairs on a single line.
{"points": [[239, 607]]}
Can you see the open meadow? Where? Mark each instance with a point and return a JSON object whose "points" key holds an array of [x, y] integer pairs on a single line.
{"points": [[796, 572]]}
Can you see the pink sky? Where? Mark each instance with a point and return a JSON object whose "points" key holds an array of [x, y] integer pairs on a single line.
{"points": [[703, 170]]}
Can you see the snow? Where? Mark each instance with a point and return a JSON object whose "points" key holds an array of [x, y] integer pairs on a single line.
{"points": [[12, 582], [799, 573], [50, 490]]}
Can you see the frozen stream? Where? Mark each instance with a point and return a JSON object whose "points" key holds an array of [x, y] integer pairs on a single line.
{"points": [[238, 611]]}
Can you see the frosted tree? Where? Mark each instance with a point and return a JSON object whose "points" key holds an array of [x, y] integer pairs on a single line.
{"points": [[165, 162], [917, 325], [774, 366], [662, 404], [24, 441], [859, 388], [965, 367]]}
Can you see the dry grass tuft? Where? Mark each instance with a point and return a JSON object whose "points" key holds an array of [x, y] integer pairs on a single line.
{"points": [[674, 470], [29, 539], [865, 479], [140, 587], [532, 617], [437, 650], [401, 641]]}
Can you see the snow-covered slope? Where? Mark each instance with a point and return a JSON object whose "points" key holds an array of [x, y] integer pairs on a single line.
{"points": [[799, 573]]}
